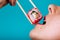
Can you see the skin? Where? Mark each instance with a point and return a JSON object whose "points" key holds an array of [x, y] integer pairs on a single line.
{"points": [[50, 30], [4, 2]]}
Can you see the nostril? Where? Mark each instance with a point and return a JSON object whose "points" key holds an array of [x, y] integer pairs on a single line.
{"points": [[50, 10]]}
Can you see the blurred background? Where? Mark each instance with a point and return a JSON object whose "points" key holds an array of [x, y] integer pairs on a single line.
{"points": [[13, 23]]}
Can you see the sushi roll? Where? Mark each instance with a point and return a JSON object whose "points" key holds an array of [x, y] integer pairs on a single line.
{"points": [[34, 15]]}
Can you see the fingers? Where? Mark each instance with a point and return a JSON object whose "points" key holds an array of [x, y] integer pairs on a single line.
{"points": [[12, 2], [3, 3]]}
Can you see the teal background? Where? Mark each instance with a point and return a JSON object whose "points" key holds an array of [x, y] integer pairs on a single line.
{"points": [[13, 23]]}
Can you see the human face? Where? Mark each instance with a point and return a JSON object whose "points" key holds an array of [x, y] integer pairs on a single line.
{"points": [[50, 30]]}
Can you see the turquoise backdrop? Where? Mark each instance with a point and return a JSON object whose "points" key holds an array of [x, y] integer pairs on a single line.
{"points": [[13, 23]]}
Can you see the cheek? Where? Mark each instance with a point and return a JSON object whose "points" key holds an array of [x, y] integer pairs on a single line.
{"points": [[58, 11]]}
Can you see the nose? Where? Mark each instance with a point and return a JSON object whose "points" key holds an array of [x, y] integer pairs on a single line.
{"points": [[52, 8]]}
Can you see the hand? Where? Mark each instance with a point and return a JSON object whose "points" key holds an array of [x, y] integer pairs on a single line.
{"points": [[50, 30], [4, 2]]}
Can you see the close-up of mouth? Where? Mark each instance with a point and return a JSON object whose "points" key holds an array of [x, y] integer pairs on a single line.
{"points": [[29, 19]]}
